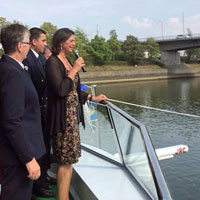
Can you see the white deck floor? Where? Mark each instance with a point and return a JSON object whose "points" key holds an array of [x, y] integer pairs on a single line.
{"points": [[106, 180]]}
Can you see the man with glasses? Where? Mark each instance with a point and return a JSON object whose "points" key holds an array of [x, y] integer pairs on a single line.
{"points": [[35, 62], [21, 139]]}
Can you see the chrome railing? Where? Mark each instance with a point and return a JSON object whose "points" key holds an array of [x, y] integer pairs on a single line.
{"points": [[119, 138]]}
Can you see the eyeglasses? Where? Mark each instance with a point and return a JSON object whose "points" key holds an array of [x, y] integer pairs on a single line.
{"points": [[29, 43]]}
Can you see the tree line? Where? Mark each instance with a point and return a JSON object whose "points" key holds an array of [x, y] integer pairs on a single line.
{"points": [[99, 51]]}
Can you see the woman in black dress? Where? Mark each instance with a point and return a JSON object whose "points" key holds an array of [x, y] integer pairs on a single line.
{"points": [[64, 97]]}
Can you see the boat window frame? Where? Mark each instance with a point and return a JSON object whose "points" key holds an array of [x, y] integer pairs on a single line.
{"points": [[157, 174]]}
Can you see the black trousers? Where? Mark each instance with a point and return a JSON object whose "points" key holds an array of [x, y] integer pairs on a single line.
{"points": [[15, 184]]}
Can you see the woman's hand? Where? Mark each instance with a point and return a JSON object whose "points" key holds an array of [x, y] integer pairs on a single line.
{"points": [[99, 98], [79, 62]]}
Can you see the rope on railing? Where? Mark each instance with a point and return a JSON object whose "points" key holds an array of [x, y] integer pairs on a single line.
{"points": [[157, 109]]}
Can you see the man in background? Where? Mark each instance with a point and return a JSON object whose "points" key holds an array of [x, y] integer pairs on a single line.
{"points": [[47, 52], [35, 61]]}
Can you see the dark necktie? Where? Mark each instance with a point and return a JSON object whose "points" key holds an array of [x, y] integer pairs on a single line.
{"points": [[39, 60], [41, 63]]}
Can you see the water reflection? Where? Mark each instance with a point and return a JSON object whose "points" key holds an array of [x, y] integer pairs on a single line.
{"points": [[181, 95]]}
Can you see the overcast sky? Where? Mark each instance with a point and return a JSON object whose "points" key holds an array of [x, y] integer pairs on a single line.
{"points": [[141, 18]]}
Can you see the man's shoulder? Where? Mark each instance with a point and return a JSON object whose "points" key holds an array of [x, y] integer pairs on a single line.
{"points": [[30, 59], [29, 54], [10, 71], [53, 60], [7, 64]]}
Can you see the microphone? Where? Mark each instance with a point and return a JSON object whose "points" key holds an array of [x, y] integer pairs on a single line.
{"points": [[77, 56]]}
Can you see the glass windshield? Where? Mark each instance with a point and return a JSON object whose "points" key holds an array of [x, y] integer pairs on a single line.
{"points": [[134, 152], [119, 138], [98, 134]]}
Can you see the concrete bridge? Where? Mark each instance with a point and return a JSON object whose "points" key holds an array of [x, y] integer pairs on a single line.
{"points": [[170, 46]]}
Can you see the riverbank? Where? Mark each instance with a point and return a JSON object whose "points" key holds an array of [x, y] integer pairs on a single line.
{"points": [[139, 73]]}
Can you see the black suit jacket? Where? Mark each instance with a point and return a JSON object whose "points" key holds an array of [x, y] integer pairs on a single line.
{"points": [[21, 136], [37, 73]]}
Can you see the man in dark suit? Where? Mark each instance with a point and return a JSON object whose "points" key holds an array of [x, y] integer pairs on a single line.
{"points": [[36, 68], [21, 139], [36, 61]]}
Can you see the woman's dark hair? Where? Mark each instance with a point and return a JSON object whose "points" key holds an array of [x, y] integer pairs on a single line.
{"points": [[61, 35]]}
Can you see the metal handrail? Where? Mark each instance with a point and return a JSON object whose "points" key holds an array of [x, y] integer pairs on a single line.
{"points": [[160, 183]]}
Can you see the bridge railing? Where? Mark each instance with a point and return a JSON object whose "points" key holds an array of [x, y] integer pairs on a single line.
{"points": [[172, 37]]}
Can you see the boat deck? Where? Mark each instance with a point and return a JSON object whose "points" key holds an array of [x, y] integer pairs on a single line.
{"points": [[54, 189], [105, 181]]}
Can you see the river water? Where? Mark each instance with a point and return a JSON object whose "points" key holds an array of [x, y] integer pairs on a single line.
{"points": [[182, 173]]}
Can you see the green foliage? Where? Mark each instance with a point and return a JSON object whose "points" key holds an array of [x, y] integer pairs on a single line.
{"points": [[18, 22], [133, 50], [3, 22], [50, 29], [1, 51], [82, 43], [116, 63], [99, 50], [79, 33], [152, 47], [192, 55], [114, 45], [156, 61], [80, 47]]}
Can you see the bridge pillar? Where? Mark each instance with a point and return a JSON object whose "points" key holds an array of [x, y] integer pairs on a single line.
{"points": [[170, 58]]}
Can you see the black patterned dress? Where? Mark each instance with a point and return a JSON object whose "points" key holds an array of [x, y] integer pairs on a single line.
{"points": [[66, 147]]}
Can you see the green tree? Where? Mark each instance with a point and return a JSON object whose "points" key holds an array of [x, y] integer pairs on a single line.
{"points": [[114, 45], [82, 42], [18, 22], [3, 22], [1, 51], [99, 50], [193, 55], [50, 29], [82, 36], [133, 50], [152, 47]]}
